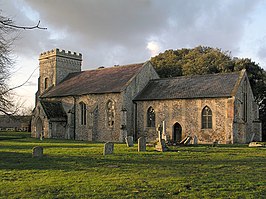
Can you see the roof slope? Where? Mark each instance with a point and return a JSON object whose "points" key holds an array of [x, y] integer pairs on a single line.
{"points": [[104, 80], [53, 109], [187, 87]]}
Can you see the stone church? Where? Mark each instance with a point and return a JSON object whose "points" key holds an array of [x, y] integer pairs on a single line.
{"points": [[108, 104]]}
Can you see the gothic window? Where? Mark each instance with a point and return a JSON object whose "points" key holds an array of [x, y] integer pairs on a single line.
{"points": [[206, 118], [83, 113], [110, 112], [150, 117], [46, 83]]}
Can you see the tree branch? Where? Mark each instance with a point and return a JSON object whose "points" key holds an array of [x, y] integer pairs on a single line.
{"points": [[9, 24], [10, 89]]}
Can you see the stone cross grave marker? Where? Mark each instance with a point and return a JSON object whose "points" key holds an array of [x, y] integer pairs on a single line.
{"points": [[37, 151], [141, 144], [108, 148], [129, 141], [160, 146]]}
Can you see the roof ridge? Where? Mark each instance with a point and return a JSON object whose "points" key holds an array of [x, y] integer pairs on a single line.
{"points": [[198, 75]]}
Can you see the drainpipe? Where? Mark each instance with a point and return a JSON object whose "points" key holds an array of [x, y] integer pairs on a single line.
{"points": [[74, 117], [135, 121]]}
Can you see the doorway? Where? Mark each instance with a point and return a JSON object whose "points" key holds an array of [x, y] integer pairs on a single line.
{"points": [[177, 133]]}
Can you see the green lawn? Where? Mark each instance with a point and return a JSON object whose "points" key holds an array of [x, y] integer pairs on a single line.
{"points": [[72, 169]]}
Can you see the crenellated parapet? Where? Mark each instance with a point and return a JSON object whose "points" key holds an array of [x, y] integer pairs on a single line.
{"points": [[60, 53]]}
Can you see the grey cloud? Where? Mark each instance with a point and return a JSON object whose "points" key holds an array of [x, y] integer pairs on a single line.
{"points": [[117, 31]]}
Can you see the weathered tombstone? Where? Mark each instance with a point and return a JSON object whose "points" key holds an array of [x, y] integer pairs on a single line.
{"points": [[141, 144], [159, 131], [129, 141], [182, 141], [37, 151], [164, 136], [160, 146], [255, 144], [215, 143], [108, 148], [187, 141], [195, 140], [252, 137]]}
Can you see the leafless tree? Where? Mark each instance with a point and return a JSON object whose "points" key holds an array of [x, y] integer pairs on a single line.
{"points": [[8, 33]]}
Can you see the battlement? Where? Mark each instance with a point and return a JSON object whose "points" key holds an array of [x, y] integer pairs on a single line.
{"points": [[60, 53]]}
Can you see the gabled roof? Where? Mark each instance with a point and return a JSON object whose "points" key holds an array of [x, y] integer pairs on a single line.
{"points": [[103, 80], [188, 87], [53, 109]]}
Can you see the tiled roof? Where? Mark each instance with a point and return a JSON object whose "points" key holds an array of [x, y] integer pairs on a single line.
{"points": [[53, 109], [188, 87], [103, 80]]}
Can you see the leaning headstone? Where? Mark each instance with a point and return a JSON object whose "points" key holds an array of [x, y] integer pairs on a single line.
{"points": [[255, 144], [182, 141], [252, 137], [187, 141], [37, 152], [141, 144], [108, 148], [129, 141]]}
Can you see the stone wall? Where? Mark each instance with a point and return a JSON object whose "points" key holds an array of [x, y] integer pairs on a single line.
{"points": [[246, 118], [136, 85], [187, 113], [39, 123]]}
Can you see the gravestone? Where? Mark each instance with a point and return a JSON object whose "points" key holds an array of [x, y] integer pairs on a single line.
{"points": [[252, 137], [256, 144], [129, 141], [215, 143], [186, 140], [37, 152], [195, 140], [108, 148], [141, 144], [160, 146]]}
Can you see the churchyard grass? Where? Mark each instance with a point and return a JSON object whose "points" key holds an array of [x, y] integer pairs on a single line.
{"points": [[76, 169]]}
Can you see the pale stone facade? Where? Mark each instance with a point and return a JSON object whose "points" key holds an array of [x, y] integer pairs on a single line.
{"points": [[234, 118], [104, 105], [96, 126]]}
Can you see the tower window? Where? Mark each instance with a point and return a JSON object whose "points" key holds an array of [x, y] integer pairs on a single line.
{"points": [[46, 83]]}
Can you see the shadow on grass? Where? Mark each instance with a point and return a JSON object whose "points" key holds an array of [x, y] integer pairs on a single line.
{"points": [[25, 161]]}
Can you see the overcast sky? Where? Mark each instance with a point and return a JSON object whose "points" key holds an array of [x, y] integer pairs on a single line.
{"points": [[131, 31]]}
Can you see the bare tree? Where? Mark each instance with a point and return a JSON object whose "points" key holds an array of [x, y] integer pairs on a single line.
{"points": [[8, 34]]}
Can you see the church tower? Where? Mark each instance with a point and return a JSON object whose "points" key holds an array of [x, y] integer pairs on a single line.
{"points": [[55, 65]]}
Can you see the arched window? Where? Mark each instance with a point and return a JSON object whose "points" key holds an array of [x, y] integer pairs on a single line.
{"points": [[150, 117], [83, 113], [110, 113], [46, 83], [206, 118]]}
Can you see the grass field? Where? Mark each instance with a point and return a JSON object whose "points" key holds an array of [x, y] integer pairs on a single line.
{"points": [[76, 169]]}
